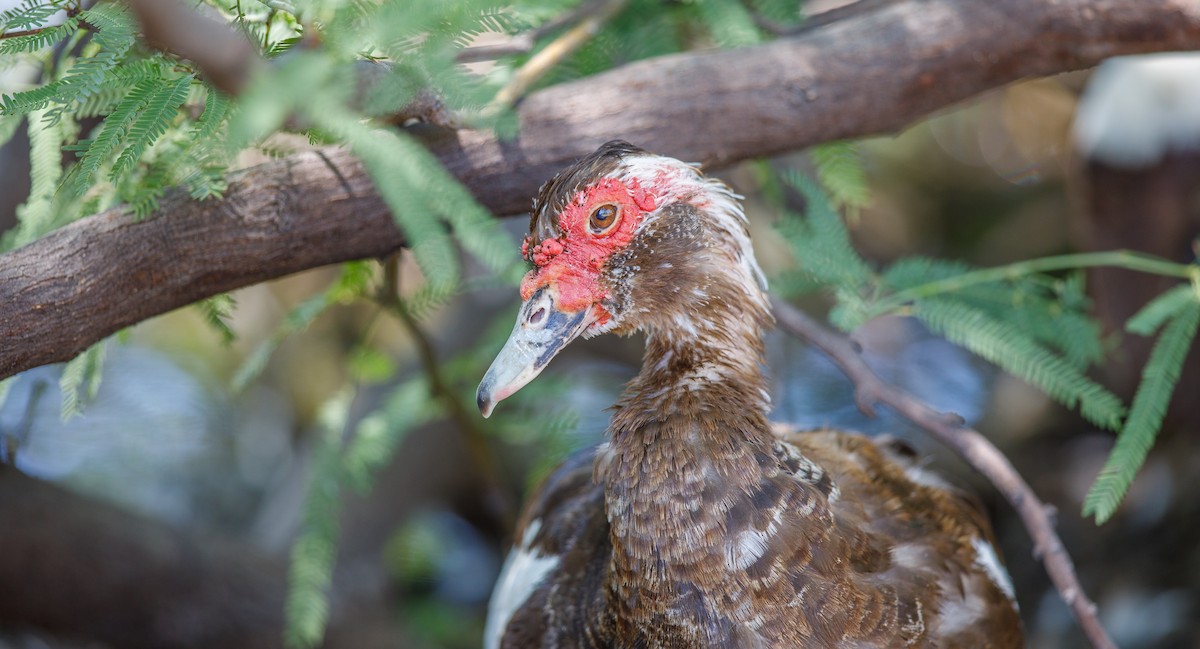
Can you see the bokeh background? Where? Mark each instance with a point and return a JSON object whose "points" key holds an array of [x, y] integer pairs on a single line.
{"points": [[1010, 175]]}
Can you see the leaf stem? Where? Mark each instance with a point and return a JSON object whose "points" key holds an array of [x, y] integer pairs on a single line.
{"points": [[554, 52], [474, 435], [1126, 259]]}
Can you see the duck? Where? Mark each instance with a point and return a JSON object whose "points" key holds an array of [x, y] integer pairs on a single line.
{"points": [[699, 522]]}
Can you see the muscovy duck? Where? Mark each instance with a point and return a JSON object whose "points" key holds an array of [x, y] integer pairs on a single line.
{"points": [[699, 523]]}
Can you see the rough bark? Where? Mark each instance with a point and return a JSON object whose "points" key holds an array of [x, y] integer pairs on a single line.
{"points": [[869, 73]]}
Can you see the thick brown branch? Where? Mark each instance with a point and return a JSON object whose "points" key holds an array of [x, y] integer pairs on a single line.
{"points": [[972, 446], [873, 72], [110, 270]]}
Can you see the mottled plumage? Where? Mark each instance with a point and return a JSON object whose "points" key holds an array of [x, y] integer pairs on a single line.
{"points": [[698, 524]]}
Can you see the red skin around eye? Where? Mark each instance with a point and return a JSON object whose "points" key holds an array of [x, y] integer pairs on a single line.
{"points": [[573, 262]]}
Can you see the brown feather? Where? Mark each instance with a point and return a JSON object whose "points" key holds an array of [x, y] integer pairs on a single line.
{"points": [[701, 525]]}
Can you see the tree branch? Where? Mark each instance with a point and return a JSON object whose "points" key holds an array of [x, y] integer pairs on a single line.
{"points": [[71, 12], [873, 72], [524, 42], [225, 57], [554, 52], [111, 270], [970, 445]]}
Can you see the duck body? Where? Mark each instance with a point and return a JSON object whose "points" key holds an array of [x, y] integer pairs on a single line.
{"points": [[699, 524]]}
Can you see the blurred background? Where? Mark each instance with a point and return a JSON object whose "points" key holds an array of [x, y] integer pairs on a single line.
{"points": [[169, 449]]}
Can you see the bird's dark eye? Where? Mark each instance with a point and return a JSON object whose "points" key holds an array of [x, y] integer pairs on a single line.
{"points": [[604, 218]]}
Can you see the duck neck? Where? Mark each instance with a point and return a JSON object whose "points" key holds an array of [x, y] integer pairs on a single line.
{"points": [[689, 438]]}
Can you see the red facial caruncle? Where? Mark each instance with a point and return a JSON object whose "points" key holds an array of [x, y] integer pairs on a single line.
{"points": [[600, 220]]}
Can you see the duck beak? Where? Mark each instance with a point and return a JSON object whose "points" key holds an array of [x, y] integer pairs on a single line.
{"points": [[542, 330]]}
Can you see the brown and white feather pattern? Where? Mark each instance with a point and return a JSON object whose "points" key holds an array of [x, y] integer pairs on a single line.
{"points": [[697, 524]]}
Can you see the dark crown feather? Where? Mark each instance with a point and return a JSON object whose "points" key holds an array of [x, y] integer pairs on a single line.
{"points": [[554, 194]]}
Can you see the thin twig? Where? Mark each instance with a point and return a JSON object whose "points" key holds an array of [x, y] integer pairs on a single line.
{"points": [[519, 44], [523, 42], [26, 32], [764, 23], [473, 433], [72, 11], [972, 446], [554, 52], [837, 14]]}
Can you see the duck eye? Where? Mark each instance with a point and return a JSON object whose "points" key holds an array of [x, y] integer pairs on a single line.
{"points": [[603, 218]]}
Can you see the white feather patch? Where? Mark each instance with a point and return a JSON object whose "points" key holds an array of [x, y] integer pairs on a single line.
{"points": [[927, 478], [985, 557], [912, 556], [747, 547], [958, 614], [524, 570]]}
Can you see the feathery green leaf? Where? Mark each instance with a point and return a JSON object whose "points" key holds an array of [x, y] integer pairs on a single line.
{"points": [[379, 434], [38, 40], [216, 107], [1147, 320], [80, 379], [1145, 415], [161, 108], [821, 245], [217, 311], [315, 550], [730, 24], [840, 170], [1011, 348], [109, 136], [31, 14]]}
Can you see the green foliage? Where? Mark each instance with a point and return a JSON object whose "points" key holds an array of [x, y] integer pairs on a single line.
{"points": [[1148, 320], [359, 457], [135, 123], [1150, 403], [80, 379], [28, 15], [38, 40], [825, 257], [1032, 324], [648, 28], [369, 365], [352, 284], [217, 310], [839, 168], [781, 12], [37, 215], [820, 240], [729, 22], [1008, 346], [315, 550], [1049, 311], [378, 435]]}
